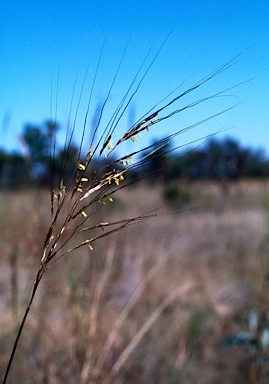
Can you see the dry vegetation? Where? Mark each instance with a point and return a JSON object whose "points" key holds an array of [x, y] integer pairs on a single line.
{"points": [[151, 304]]}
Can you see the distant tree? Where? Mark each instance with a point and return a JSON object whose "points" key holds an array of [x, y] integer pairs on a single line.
{"points": [[51, 128], [235, 157], [65, 163], [257, 164], [194, 164], [13, 172], [218, 160], [158, 161], [211, 160], [39, 140]]}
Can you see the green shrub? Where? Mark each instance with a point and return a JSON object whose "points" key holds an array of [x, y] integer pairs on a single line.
{"points": [[174, 195]]}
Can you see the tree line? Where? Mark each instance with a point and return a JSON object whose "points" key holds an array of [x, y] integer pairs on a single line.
{"points": [[215, 160]]}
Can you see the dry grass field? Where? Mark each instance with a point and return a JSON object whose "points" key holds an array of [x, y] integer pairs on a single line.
{"points": [[166, 301]]}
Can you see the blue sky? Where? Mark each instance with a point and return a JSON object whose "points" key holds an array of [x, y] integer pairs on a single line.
{"points": [[41, 39]]}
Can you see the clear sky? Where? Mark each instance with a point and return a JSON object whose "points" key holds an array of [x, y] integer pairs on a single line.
{"points": [[40, 39]]}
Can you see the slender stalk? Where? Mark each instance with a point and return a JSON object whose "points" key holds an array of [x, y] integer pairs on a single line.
{"points": [[36, 284]]}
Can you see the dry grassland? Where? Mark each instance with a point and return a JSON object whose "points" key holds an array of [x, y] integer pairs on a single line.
{"points": [[151, 304]]}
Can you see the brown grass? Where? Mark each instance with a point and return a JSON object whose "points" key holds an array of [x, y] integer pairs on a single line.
{"points": [[151, 304]]}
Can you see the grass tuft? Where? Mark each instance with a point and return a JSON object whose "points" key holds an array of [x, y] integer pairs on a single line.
{"points": [[77, 204]]}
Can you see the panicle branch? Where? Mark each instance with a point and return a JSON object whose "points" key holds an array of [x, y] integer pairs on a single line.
{"points": [[94, 186]]}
